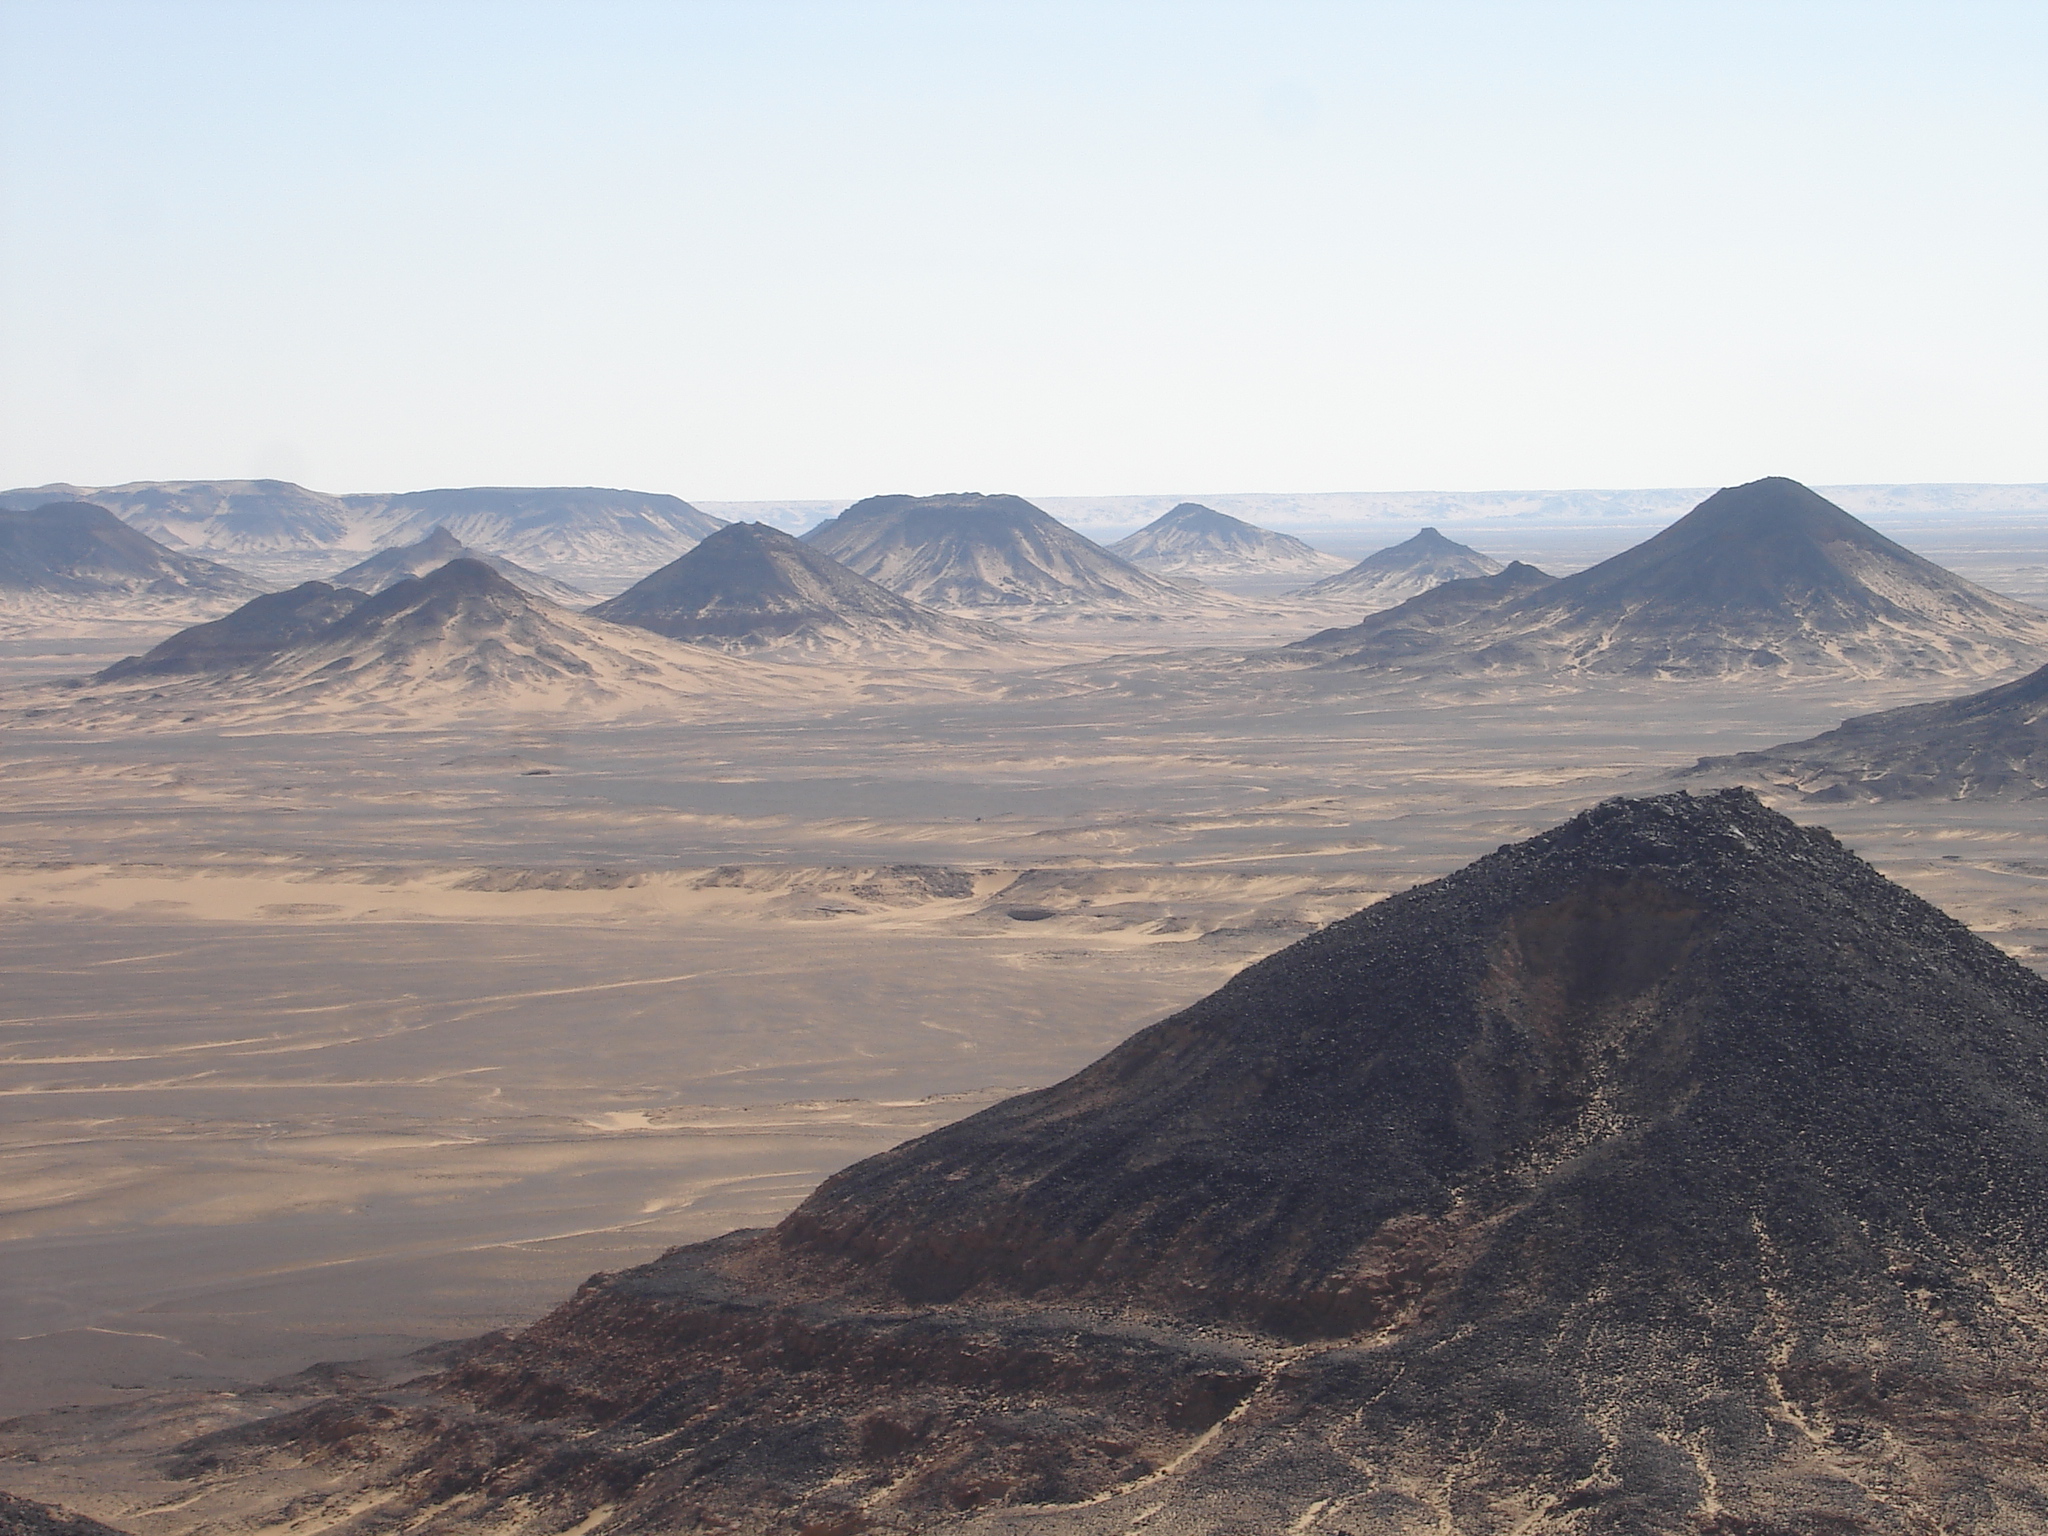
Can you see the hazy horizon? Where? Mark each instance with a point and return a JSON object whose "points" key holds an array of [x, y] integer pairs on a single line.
{"points": [[748, 251]]}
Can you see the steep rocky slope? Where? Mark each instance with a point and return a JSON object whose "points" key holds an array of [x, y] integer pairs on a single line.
{"points": [[1758, 580], [1669, 1172], [1993, 743]]}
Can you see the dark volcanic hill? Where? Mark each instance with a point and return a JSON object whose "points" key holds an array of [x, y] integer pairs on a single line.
{"points": [[1672, 1173], [459, 639], [440, 546], [750, 587], [77, 549], [1761, 579], [970, 551], [1199, 542], [1984, 745], [259, 631], [1401, 571]]}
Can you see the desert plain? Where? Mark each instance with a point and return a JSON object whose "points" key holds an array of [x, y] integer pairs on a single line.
{"points": [[331, 1040]]}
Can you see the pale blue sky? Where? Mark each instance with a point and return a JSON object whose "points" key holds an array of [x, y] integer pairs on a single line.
{"points": [[784, 250]]}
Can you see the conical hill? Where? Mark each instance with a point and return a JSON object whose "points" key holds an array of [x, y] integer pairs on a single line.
{"points": [[970, 551], [1206, 545], [1607, 1049], [390, 566], [1671, 1173], [749, 587], [1401, 571], [460, 639], [1762, 579]]}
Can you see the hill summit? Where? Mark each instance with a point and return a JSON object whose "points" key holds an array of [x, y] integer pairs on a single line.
{"points": [[1401, 571], [440, 546], [1199, 542], [1669, 1173], [750, 587], [1761, 578], [970, 551]]}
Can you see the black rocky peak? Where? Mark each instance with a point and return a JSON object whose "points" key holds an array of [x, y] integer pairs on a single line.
{"points": [[750, 584], [260, 629], [1669, 1173], [1604, 1046], [439, 541], [1770, 546]]}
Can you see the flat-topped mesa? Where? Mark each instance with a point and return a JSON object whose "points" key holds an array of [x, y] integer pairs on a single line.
{"points": [[969, 551], [1392, 575], [750, 587], [1764, 578]]}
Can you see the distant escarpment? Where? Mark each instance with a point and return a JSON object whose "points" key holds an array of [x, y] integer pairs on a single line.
{"points": [[749, 587], [581, 533], [973, 552], [1669, 1172], [1765, 579], [1988, 745]]}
